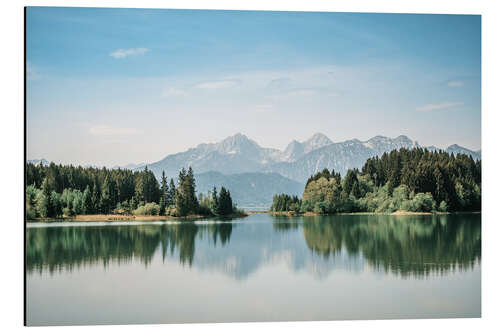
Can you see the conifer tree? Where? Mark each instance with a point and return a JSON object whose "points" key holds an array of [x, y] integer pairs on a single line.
{"points": [[87, 201], [106, 200], [225, 202], [191, 199], [215, 202], [181, 194], [96, 198], [171, 193], [163, 191]]}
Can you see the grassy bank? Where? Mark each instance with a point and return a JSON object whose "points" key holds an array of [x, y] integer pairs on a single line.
{"points": [[117, 217], [396, 213]]}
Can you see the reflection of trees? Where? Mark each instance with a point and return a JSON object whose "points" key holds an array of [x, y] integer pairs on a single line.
{"points": [[285, 223], [69, 247], [407, 245]]}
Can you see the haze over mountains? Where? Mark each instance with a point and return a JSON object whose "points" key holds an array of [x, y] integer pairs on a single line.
{"points": [[254, 174], [299, 160]]}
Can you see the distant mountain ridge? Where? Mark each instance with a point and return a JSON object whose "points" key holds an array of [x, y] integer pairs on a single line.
{"points": [[299, 160], [253, 174], [339, 156], [41, 161], [296, 150], [239, 154], [249, 189]]}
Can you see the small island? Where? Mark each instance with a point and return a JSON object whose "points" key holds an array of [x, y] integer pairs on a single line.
{"points": [[68, 193], [402, 182]]}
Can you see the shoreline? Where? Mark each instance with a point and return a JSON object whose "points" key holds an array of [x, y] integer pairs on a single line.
{"points": [[131, 218], [396, 213], [149, 218]]}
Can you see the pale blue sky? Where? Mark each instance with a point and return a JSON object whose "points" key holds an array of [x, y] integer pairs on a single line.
{"points": [[116, 86]]}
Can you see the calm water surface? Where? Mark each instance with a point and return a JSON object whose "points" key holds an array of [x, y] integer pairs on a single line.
{"points": [[260, 268]]}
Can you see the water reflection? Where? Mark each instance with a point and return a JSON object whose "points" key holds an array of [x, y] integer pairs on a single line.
{"points": [[60, 248], [404, 245]]}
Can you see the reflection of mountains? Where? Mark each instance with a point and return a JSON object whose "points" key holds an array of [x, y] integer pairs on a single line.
{"points": [[318, 245]]}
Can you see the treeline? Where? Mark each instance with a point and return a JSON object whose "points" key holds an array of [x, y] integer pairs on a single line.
{"points": [[285, 203], [57, 191], [415, 180]]}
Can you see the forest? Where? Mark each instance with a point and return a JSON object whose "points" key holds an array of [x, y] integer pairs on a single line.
{"points": [[413, 180], [56, 191]]}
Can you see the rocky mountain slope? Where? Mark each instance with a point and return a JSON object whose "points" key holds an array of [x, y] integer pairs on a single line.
{"points": [[249, 189], [299, 160]]}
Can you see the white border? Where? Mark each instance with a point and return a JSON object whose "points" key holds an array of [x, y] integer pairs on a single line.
{"points": [[11, 311]]}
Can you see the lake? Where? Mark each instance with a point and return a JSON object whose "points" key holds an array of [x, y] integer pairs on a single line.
{"points": [[259, 268]]}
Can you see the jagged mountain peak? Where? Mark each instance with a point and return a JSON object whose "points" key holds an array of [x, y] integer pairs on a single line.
{"points": [[41, 161], [238, 137], [319, 138], [230, 145], [382, 138], [293, 151], [456, 149], [299, 160], [292, 145], [378, 137], [455, 146], [237, 143], [381, 143], [405, 139]]}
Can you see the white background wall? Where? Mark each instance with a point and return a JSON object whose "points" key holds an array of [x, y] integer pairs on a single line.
{"points": [[12, 159]]}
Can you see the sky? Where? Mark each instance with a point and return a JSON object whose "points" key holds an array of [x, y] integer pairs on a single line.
{"points": [[111, 87]]}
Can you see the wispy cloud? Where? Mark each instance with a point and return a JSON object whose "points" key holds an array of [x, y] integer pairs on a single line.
{"points": [[122, 53], [455, 83], [107, 130], [439, 106], [279, 83], [171, 92], [217, 84]]}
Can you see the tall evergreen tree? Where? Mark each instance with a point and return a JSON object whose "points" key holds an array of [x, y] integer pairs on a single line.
{"points": [[163, 191], [181, 203], [87, 201], [349, 181], [192, 200], [96, 199], [106, 196], [171, 193], [215, 202], [225, 202]]}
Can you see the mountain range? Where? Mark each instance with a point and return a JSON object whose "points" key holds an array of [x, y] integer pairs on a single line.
{"points": [[41, 161], [299, 160], [254, 174], [249, 189]]}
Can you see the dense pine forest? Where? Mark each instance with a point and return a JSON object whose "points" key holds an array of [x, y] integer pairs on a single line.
{"points": [[416, 180], [62, 191]]}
